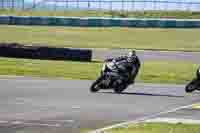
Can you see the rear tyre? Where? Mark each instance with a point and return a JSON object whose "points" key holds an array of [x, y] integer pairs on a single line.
{"points": [[120, 88], [95, 86]]}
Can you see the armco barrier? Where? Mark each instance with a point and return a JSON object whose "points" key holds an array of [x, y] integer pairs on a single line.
{"points": [[33, 52], [100, 22], [16, 20], [5, 19]]}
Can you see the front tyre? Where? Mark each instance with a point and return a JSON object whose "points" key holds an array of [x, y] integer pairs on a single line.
{"points": [[95, 86], [191, 87]]}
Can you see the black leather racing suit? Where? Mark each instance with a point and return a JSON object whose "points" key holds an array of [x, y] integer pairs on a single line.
{"points": [[128, 70], [198, 73]]}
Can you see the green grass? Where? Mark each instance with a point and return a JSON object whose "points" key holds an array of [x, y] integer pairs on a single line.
{"points": [[151, 72], [139, 38], [45, 68], [84, 130], [79, 13], [167, 72], [158, 128]]}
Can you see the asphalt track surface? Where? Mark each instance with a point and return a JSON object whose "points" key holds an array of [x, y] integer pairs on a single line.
{"points": [[193, 57], [30, 105]]}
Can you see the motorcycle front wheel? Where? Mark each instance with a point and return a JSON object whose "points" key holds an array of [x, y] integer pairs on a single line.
{"points": [[191, 86], [95, 86]]}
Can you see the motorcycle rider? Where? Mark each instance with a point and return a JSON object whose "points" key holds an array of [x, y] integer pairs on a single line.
{"points": [[128, 66]]}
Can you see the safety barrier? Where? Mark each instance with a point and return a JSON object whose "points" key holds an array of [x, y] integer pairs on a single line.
{"points": [[5, 19], [100, 22], [50, 53]]}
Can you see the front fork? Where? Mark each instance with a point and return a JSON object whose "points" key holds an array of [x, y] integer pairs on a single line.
{"points": [[197, 84], [109, 81]]}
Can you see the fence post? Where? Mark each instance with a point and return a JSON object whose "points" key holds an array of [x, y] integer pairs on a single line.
{"points": [[144, 6], [99, 4], [12, 4], [122, 5], [2, 5], [182, 5], [166, 6], [88, 4], [34, 3], [23, 4], [67, 4], [132, 5], [77, 4], [111, 5], [55, 5]]}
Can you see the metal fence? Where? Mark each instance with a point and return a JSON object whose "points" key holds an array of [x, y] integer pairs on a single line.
{"points": [[12, 4], [111, 5]]}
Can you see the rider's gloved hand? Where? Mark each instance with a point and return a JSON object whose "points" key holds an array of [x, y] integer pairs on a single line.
{"points": [[108, 60]]}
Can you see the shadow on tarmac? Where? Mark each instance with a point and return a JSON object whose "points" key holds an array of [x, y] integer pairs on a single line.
{"points": [[143, 94]]}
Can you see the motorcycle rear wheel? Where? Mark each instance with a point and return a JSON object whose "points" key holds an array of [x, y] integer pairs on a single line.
{"points": [[120, 88]]}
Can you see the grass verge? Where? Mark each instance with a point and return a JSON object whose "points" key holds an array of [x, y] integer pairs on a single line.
{"points": [[93, 13], [151, 72], [138, 38], [158, 128], [84, 130]]}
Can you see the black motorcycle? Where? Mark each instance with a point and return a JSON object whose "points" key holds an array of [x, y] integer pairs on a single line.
{"points": [[194, 84], [109, 79]]}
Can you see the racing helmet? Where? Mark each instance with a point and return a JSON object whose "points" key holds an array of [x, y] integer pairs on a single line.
{"points": [[131, 56]]}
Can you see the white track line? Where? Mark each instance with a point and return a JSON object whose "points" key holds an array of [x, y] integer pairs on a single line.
{"points": [[173, 120], [29, 123], [40, 124], [123, 124]]}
